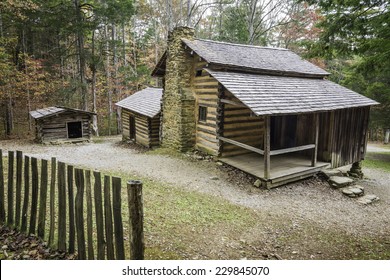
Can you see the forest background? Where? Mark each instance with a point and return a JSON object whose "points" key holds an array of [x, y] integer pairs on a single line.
{"points": [[91, 54]]}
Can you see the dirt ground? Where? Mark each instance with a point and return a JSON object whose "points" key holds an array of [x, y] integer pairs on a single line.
{"points": [[311, 201]]}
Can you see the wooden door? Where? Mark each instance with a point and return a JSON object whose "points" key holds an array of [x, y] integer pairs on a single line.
{"points": [[132, 127]]}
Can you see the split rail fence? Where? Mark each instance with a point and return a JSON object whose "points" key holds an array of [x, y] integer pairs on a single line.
{"points": [[71, 208]]}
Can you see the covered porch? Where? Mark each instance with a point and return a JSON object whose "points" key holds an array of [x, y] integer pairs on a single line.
{"points": [[285, 151], [284, 168], [282, 129], [277, 149]]}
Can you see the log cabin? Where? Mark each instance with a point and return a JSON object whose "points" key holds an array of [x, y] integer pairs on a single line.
{"points": [[140, 114], [62, 125], [263, 110]]}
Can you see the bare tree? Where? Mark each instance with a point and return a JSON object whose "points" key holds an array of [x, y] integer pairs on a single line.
{"points": [[264, 16]]}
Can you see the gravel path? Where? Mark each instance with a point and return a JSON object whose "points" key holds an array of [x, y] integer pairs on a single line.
{"points": [[310, 200], [374, 148]]}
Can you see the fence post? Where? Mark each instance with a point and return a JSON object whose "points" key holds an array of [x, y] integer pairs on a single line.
{"points": [[26, 197], [72, 233], [42, 199], [108, 219], [136, 217], [118, 224], [34, 194], [52, 200], [99, 216], [2, 198], [91, 253], [18, 197], [79, 202], [10, 194], [61, 207]]}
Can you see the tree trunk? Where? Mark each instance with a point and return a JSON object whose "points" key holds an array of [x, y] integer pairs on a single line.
{"points": [[9, 119], [81, 55], [169, 15], [251, 21], [124, 45], [1, 27], [108, 80], [189, 13], [156, 47], [115, 73], [220, 9], [93, 88], [135, 56], [27, 80], [387, 136]]}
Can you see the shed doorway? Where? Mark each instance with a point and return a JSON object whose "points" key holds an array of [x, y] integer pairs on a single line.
{"points": [[75, 130], [132, 127]]}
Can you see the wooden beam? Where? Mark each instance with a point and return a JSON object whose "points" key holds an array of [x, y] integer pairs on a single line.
{"points": [[220, 118], [316, 132], [242, 145], [293, 149], [227, 101], [267, 147]]}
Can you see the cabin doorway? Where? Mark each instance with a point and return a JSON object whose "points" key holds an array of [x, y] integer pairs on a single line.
{"points": [[75, 130], [283, 132], [132, 127]]}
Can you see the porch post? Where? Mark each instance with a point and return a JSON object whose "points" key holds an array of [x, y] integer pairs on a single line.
{"points": [[267, 147], [316, 131]]}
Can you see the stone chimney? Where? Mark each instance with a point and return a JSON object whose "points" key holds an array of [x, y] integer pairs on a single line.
{"points": [[178, 103]]}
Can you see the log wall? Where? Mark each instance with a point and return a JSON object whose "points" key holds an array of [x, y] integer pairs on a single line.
{"points": [[146, 129], [154, 125], [344, 139], [230, 121], [241, 125], [54, 129], [206, 94]]}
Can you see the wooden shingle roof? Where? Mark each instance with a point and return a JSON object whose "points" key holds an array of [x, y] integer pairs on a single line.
{"points": [[263, 60], [278, 95], [146, 102], [52, 111]]}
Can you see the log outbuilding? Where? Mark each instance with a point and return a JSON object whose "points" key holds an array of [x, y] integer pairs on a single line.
{"points": [[263, 110], [61, 124], [140, 114]]}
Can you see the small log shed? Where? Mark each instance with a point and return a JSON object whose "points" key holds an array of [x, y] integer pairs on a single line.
{"points": [[140, 114], [62, 125]]}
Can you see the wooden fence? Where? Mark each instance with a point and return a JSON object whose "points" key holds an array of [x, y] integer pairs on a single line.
{"points": [[71, 209]]}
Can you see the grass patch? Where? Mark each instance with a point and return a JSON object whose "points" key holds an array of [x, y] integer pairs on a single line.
{"points": [[182, 224], [331, 244], [177, 221], [98, 140], [380, 160]]}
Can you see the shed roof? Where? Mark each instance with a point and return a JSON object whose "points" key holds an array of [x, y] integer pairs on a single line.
{"points": [[51, 111], [248, 58], [146, 102], [277, 95]]}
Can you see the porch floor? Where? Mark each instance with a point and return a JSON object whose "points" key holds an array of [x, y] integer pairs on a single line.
{"points": [[284, 168]]}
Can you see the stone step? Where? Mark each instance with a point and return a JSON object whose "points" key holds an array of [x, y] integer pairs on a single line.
{"points": [[368, 199], [339, 181], [353, 191], [331, 172]]}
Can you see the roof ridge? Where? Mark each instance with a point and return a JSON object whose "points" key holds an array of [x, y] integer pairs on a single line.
{"points": [[242, 45]]}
